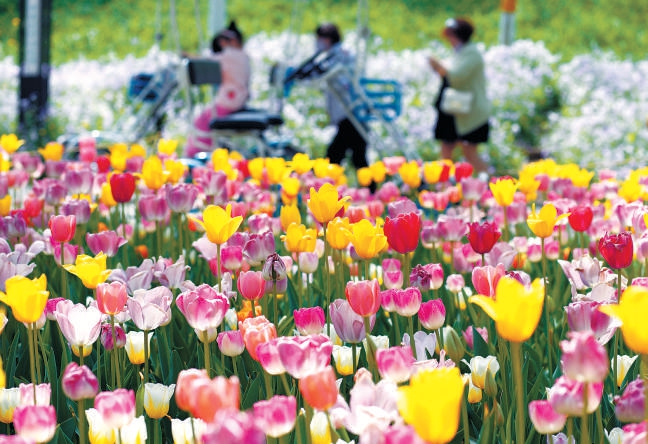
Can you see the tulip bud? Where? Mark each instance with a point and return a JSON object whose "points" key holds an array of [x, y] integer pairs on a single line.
{"points": [[490, 386], [274, 268], [452, 344]]}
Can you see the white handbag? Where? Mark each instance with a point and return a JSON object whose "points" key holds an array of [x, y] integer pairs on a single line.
{"points": [[455, 101]]}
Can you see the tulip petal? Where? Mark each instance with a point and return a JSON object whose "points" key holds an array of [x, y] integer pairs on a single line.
{"points": [[487, 304]]}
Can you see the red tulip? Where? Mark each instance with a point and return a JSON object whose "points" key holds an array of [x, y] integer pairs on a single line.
{"points": [[483, 237], [463, 170], [617, 249], [403, 232], [363, 296], [122, 186], [580, 217], [320, 389], [62, 228]]}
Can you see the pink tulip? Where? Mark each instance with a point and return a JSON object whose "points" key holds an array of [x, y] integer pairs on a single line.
{"points": [[15, 439], [62, 227], [363, 296], [258, 247], [402, 434], [50, 308], [111, 297], [117, 408], [153, 207], [585, 316], [392, 273], [150, 308], [211, 396], [268, 356], [432, 314], [256, 330], [308, 262], [304, 355], [630, 406], [408, 301], [395, 363], [79, 382], [181, 197], [231, 257], [70, 253], [79, 208], [485, 279], [184, 393], [233, 426], [79, 179], [309, 320], [455, 283], [545, 419], [43, 394], [230, 342], [427, 277], [79, 324], [276, 416], [107, 336], [349, 326], [635, 433], [566, 396], [204, 308], [37, 422], [468, 335], [387, 299], [107, 242], [251, 285], [584, 359]]}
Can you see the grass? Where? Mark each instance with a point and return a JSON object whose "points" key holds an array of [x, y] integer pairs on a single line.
{"points": [[98, 29]]}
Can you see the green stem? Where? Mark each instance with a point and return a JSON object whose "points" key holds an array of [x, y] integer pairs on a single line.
{"points": [[327, 289], [599, 425], [506, 233], [370, 348], [63, 273], [406, 269], [275, 303], [34, 331], [180, 240], [235, 365], [395, 321], [615, 346], [83, 438], [124, 248], [268, 384], [254, 308], [146, 357], [439, 334], [546, 307], [366, 269], [193, 432], [410, 325], [113, 352], [309, 418], [570, 428], [354, 356], [284, 382], [98, 364], [584, 419], [206, 352], [156, 432], [158, 237], [32, 363], [520, 418], [218, 265]]}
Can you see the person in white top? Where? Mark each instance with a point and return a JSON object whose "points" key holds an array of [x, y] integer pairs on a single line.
{"points": [[233, 92]]}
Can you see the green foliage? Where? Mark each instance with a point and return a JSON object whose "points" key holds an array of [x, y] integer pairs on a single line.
{"points": [[95, 29]]}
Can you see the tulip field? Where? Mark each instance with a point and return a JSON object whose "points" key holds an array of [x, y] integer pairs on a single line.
{"points": [[266, 300], [271, 300]]}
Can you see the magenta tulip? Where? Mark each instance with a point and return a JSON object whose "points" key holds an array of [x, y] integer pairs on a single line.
{"points": [[545, 419], [304, 355], [485, 279], [107, 242], [408, 301], [251, 285], [204, 308], [277, 415], [35, 422], [584, 359], [631, 405], [566, 396], [267, 354], [432, 314], [309, 320], [62, 228], [230, 342], [395, 363], [117, 408], [79, 382]]}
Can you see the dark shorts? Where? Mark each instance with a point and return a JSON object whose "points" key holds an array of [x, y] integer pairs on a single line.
{"points": [[446, 131]]}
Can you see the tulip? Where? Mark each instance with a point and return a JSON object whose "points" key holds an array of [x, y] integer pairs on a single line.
{"points": [[542, 224], [182, 431], [623, 364], [483, 237], [106, 242], [35, 394], [580, 217], [218, 223], [309, 320], [337, 233], [566, 396], [135, 347], [134, 432], [288, 215], [184, 393], [233, 427], [304, 355], [367, 239], [632, 311], [324, 204], [122, 186], [319, 389], [343, 357], [469, 332], [62, 227], [10, 143], [503, 189], [348, 324], [432, 314], [545, 419], [79, 324], [258, 247], [255, 331], [111, 298], [516, 309], [277, 415], [251, 285], [635, 433], [150, 308], [584, 359], [91, 270], [617, 249], [153, 208], [274, 268], [363, 296], [156, 399], [230, 342], [117, 408], [204, 308], [408, 301], [26, 297], [269, 358], [106, 336], [427, 277], [299, 239], [455, 283], [79, 382], [153, 174], [630, 406], [35, 422], [213, 395], [395, 363], [485, 278], [403, 232], [436, 421]]}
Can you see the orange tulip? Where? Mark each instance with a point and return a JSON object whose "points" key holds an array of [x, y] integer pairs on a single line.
{"points": [[320, 389]]}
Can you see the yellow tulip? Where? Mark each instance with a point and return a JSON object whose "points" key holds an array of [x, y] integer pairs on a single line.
{"points": [[135, 347], [167, 146], [290, 186], [338, 233], [175, 169], [516, 309], [378, 171], [335, 172], [218, 223], [106, 197], [542, 224], [91, 270], [118, 156], [432, 171], [367, 239], [364, 176], [320, 167], [26, 297], [299, 239], [5, 163], [529, 185], [276, 169], [319, 429], [136, 150], [343, 357], [431, 403], [10, 143], [256, 167], [153, 174], [289, 214], [410, 173], [631, 190], [325, 203], [503, 190], [301, 163], [632, 311], [5, 205], [52, 151]]}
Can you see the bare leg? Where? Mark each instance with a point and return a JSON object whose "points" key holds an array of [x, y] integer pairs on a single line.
{"points": [[446, 149], [472, 157]]}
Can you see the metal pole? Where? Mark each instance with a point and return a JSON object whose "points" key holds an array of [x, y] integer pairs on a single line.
{"points": [[507, 22], [217, 16], [35, 30]]}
